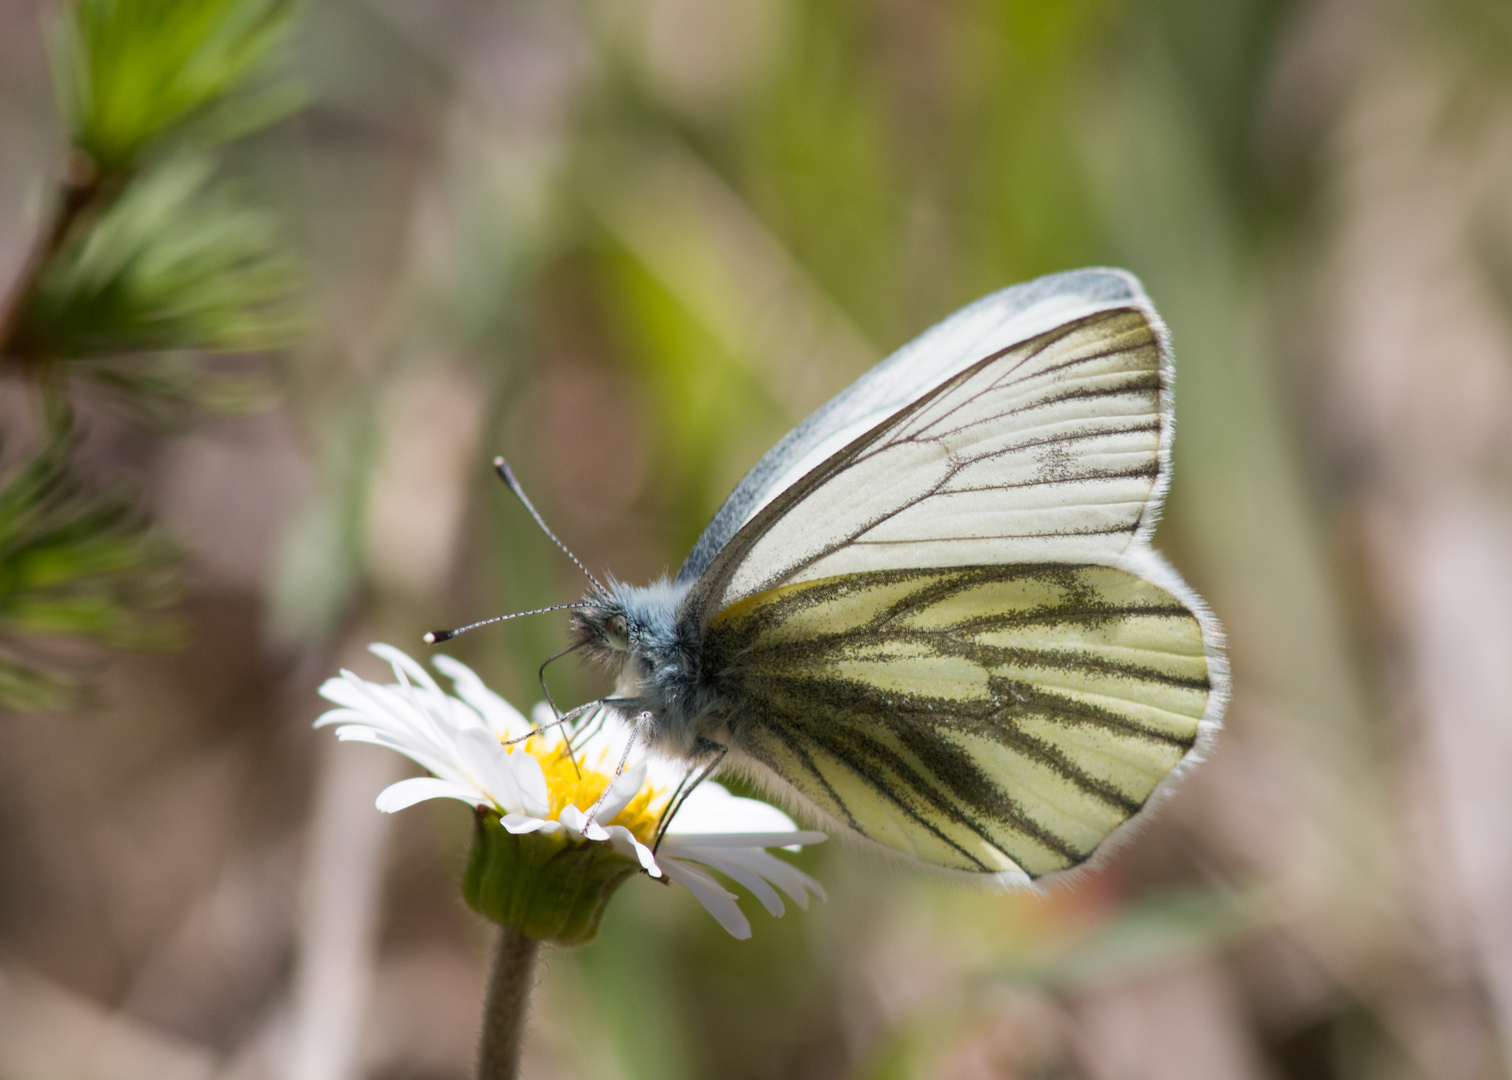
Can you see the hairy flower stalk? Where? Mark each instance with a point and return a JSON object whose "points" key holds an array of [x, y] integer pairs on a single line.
{"points": [[540, 866], [508, 1000]]}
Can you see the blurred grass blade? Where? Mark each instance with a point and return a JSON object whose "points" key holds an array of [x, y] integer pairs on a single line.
{"points": [[75, 565], [710, 250], [133, 72]]}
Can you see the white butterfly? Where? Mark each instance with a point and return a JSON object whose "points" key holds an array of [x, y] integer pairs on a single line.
{"points": [[931, 615]]}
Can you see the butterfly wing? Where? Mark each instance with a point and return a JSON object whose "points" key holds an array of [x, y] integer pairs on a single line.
{"points": [[1001, 320], [1046, 455], [998, 719]]}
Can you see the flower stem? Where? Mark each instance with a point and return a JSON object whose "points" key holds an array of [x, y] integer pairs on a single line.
{"points": [[508, 998]]}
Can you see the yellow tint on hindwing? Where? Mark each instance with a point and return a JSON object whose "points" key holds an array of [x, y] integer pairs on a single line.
{"points": [[989, 718]]}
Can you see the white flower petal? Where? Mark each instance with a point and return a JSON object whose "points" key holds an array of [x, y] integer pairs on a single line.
{"points": [[486, 760], [716, 900], [535, 798], [578, 823], [338, 716], [784, 875], [363, 733], [625, 843], [349, 692], [462, 716], [663, 773], [793, 840], [625, 787], [542, 717], [342, 691], [740, 863], [524, 823], [607, 734], [741, 872], [712, 809], [376, 706], [407, 793], [388, 711], [502, 718], [404, 665]]}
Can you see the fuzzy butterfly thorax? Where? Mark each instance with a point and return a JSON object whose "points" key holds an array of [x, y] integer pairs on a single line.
{"points": [[637, 633]]}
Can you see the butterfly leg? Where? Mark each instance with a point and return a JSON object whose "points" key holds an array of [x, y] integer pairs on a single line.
{"points": [[560, 720], [702, 746], [541, 674], [582, 735], [640, 722]]}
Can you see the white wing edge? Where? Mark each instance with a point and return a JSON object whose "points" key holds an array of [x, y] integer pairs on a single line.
{"points": [[1143, 561], [973, 334]]}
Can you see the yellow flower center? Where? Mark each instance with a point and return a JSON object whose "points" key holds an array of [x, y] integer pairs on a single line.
{"points": [[575, 781]]}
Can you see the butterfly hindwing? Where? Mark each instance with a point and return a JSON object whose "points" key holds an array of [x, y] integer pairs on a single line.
{"points": [[996, 719]]}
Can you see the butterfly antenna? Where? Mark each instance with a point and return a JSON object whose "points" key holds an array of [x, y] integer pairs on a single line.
{"points": [[507, 475], [436, 637]]}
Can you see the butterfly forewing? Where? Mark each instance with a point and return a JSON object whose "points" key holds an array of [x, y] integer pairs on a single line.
{"points": [[997, 719], [1048, 451], [986, 328]]}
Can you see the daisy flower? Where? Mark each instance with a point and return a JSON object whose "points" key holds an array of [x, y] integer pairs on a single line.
{"points": [[479, 750]]}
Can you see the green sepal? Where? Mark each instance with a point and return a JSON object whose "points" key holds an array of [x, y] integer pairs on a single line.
{"points": [[550, 888]]}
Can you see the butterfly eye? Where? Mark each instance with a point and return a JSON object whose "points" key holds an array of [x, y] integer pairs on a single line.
{"points": [[617, 633]]}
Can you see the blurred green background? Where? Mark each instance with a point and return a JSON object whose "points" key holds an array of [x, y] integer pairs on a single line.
{"points": [[628, 243]]}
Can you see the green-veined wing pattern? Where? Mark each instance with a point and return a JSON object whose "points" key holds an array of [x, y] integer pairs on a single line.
{"points": [[992, 719]]}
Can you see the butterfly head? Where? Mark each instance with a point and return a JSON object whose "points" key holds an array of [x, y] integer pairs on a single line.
{"points": [[631, 626], [602, 630]]}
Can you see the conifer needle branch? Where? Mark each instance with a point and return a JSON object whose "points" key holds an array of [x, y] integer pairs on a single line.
{"points": [[79, 188]]}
